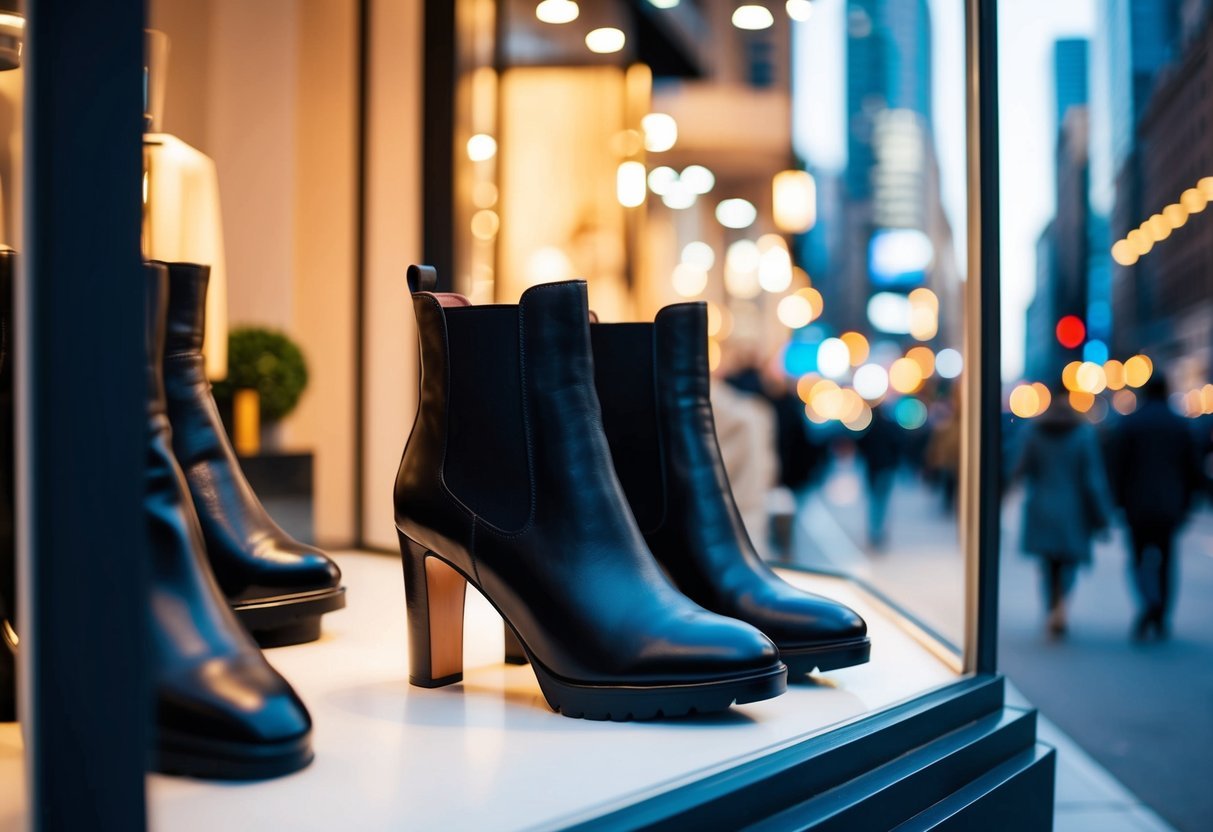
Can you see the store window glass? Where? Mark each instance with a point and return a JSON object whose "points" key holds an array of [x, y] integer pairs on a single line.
{"points": [[799, 167]]}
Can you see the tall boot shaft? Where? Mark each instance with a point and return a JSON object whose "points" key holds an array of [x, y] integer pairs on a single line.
{"points": [[8, 548], [279, 586], [655, 385], [221, 710]]}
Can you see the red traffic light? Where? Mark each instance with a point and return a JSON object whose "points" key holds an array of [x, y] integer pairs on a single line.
{"points": [[1071, 331]]}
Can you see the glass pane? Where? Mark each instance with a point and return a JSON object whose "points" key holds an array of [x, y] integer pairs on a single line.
{"points": [[799, 167]]}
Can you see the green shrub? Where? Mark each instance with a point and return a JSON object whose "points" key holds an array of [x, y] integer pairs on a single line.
{"points": [[266, 361]]}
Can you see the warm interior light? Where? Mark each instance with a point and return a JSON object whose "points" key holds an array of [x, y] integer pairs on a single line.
{"points": [[15, 21], [557, 11], [1138, 370], [1141, 243], [698, 178], [924, 358], [605, 41], [699, 253], [1044, 396], [905, 376], [857, 346], [1157, 228], [661, 178], [736, 213], [485, 224], [1176, 215], [799, 10], [1205, 186], [753, 18], [630, 184], [481, 147], [660, 132], [664, 4], [794, 195], [689, 280], [678, 196]]}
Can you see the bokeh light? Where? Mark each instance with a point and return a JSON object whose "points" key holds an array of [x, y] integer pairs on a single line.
{"points": [[1043, 396], [1069, 376], [905, 376], [857, 346], [1025, 401], [949, 363], [1114, 373], [689, 280], [481, 147], [605, 41], [910, 413], [660, 131], [557, 11], [924, 358], [661, 179], [1081, 401], [736, 213], [1124, 402], [1138, 370], [871, 381], [699, 254], [794, 311], [833, 358], [1071, 331], [1090, 378]]}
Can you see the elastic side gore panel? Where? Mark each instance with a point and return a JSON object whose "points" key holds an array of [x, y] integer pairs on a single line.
{"points": [[486, 464]]}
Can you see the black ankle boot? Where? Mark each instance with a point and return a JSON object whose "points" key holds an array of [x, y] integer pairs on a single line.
{"points": [[8, 552], [221, 710], [278, 586], [507, 482], [653, 382]]}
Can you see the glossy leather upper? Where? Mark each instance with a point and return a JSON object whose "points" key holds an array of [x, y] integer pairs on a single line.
{"points": [[573, 576], [688, 516], [210, 678], [253, 558]]}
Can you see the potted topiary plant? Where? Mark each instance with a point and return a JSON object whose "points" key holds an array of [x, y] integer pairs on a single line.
{"points": [[271, 364]]}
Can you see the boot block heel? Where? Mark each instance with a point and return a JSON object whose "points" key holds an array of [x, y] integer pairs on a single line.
{"points": [[434, 593], [514, 653]]}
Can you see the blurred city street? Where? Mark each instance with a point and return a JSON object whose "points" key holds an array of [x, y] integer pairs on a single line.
{"points": [[1143, 711]]}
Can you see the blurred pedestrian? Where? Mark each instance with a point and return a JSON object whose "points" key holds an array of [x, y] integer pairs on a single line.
{"points": [[1155, 473], [1067, 500], [942, 456], [880, 447]]}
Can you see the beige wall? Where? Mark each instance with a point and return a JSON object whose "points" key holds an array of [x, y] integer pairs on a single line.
{"points": [[268, 89], [393, 202]]}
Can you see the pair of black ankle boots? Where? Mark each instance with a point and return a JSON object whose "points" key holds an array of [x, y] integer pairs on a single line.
{"points": [[224, 577], [570, 471]]}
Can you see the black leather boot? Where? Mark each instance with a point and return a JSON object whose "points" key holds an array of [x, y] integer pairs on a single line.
{"points": [[653, 382], [8, 551], [278, 586], [507, 482], [221, 710]]}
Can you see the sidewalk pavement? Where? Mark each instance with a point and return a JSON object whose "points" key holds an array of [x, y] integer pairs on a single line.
{"points": [[1142, 711]]}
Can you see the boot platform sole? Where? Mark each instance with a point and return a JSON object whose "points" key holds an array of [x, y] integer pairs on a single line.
{"points": [[618, 702], [802, 661], [209, 759], [294, 618]]}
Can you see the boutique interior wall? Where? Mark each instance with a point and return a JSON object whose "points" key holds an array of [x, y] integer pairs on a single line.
{"points": [[272, 91]]}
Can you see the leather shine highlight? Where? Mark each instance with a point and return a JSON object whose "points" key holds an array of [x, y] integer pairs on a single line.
{"points": [[210, 679], [700, 539], [252, 557], [576, 580]]}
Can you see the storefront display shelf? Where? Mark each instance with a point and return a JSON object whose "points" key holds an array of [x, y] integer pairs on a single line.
{"points": [[489, 753]]}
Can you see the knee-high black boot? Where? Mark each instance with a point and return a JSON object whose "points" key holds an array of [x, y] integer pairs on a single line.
{"points": [[221, 710], [653, 382], [278, 586], [507, 482]]}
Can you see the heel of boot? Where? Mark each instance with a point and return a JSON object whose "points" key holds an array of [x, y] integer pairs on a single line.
{"points": [[434, 593], [514, 654]]}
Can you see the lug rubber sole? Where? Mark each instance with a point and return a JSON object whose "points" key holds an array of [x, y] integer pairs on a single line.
{"points": [[283, 620], [802, 661], [210, 759], [435, 590]]}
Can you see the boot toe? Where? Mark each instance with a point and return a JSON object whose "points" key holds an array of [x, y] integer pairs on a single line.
{"points": [[236, 699], [810, 619], [713, 646]]}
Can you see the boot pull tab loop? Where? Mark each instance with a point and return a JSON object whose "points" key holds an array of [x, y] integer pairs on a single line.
{"points": [[422, 279]]}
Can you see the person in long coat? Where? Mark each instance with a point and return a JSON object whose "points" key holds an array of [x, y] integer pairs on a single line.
{"points": [[1155, 473], [1067, 500]]}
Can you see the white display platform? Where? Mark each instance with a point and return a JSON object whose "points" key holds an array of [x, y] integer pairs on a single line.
{"points": [[488, 753]]}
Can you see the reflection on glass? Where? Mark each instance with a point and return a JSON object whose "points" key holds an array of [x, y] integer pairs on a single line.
{"points": [[806, 166]]}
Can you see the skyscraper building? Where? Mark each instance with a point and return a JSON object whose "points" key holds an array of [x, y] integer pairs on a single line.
{"points": [[1070, 61]]}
